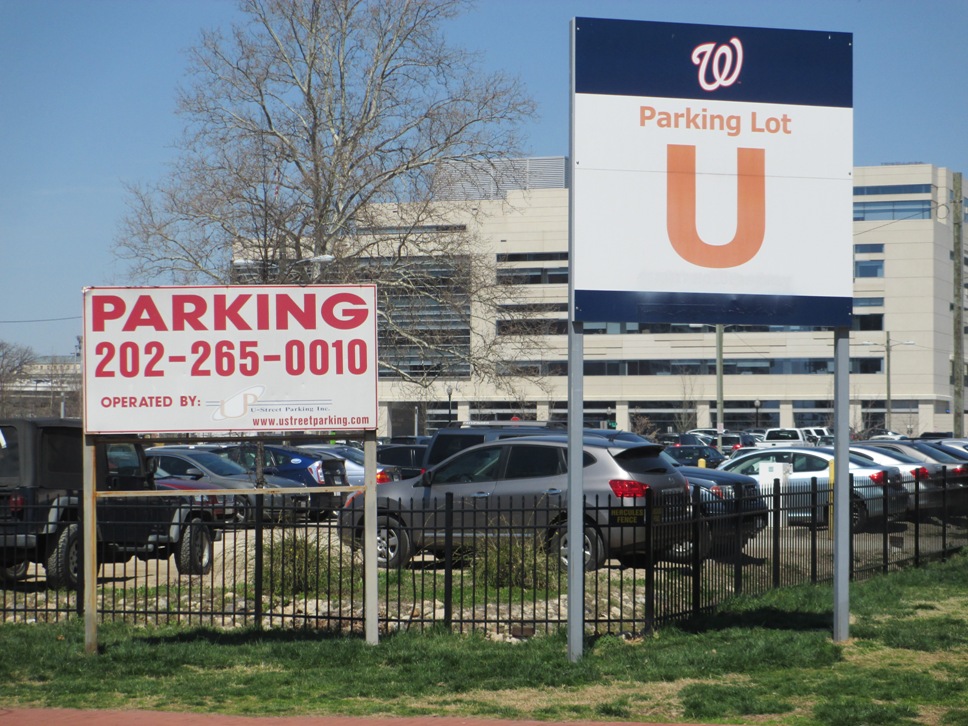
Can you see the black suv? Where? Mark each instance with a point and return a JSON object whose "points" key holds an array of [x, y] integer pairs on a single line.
{"points": [[41, 478], [448, 441]]}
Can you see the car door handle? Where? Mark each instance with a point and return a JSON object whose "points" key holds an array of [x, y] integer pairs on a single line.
{"points": [[552, 491]]}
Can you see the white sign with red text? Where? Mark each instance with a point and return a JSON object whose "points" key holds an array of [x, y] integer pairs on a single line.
{"points": [[244, 359]]}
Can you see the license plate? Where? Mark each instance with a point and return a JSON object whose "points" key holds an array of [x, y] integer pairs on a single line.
{"points": [[631, 516]]}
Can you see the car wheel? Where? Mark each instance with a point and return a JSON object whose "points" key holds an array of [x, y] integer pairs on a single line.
{"points": [[593, 549], [683, 552], [64, 562], [14, 571], [392, 543], [195, 551], [858, 515], [243, 509]]}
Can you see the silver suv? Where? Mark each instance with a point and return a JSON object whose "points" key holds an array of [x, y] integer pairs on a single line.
{"points": [[519, 486]]}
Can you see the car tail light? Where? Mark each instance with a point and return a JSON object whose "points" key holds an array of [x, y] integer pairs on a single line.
{"points": [[316, 468], [628, 487], [920, 473], [715, 489], [382, 477], [737, 446], [16, 504], [879, 478]]}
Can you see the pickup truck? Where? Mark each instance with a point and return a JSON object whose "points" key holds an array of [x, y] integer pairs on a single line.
{"points": [[41, 482], [786, 437]]}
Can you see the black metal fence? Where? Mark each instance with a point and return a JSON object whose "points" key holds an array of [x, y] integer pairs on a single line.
{"points": [[494, 566]]}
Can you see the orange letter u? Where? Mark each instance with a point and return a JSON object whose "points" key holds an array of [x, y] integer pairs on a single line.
{"points": [[750, 209]]}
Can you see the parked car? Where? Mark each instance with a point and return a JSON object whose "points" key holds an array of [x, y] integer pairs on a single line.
{"points": [[221, 508], [408, 458], [353, 461], [312, 469], [731, 441], [924, 480], [520, 485], [786, 437], [807, 463], [724, 496], [199, 465], [41, 475], [956, 465], [691, 455], [670, 439], [451, 439]]}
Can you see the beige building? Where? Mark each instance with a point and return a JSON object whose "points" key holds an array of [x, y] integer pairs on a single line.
{"points": [[663, 376]]}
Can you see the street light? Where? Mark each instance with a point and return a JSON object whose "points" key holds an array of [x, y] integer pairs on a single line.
{"points": [[888, 346], [450, 394], [756, 413], [317, 261]]}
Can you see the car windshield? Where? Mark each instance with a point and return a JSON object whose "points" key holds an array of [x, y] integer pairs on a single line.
{"points": [[351, 454], [892, 455], [936, 453], [215, 463]]}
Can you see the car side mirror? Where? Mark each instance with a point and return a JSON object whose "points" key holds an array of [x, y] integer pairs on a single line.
{"points": [[426, 478], [194, 473]]}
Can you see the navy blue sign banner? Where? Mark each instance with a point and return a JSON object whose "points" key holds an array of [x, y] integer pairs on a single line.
{"points": [[711, 174]]}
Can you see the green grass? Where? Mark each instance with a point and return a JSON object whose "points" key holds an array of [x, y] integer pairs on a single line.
{"points": [[757, 660]]}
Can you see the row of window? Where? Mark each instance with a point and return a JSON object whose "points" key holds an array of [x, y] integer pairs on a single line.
{"points": [[559, 275], [898, 210], [695, 367], [557, 326]]}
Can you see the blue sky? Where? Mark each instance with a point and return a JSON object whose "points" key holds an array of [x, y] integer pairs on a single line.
{"points": [[87, 91]]}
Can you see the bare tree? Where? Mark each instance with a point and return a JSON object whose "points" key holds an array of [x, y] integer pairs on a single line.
{"points": [[14, 363], [323, 128]]}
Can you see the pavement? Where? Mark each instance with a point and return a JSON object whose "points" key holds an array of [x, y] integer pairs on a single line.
{"points": [[73, 717]]}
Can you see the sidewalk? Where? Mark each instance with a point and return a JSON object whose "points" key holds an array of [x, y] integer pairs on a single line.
{"points": [[71, 717]]}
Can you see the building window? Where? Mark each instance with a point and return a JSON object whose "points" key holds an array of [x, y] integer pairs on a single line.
{"points": [[868, 249], [532, 257], [868, 268], [868, 302], [868, 322], [866, 365], [894, 189], [533, 276], [878, 211]]}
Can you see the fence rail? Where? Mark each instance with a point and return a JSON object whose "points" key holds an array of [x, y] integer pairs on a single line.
{"points": [[488, 567]]}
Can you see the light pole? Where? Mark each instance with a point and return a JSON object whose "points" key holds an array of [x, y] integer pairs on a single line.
{"points": [[450, 394], [888, 346], [756, 413], [720, 423]]}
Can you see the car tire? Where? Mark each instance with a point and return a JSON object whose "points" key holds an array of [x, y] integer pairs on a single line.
{"points": [[392, 543], [196, 549], [858, 515], [64, 562], [682, 552], [15, 571], [244, 511], [592, 547]]}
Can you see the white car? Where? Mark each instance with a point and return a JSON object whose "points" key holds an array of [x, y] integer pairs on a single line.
{"points": [[870, 481]]}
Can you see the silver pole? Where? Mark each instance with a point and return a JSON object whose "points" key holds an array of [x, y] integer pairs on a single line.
{"points": [[371, 613], [89, 546], [576, 395], [841, 493]]}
